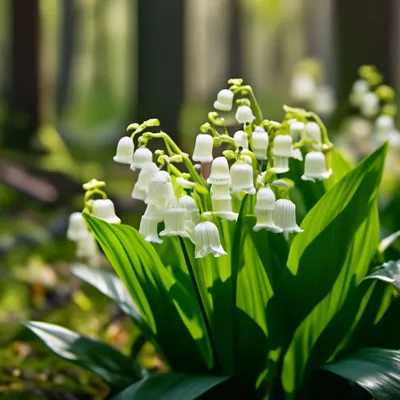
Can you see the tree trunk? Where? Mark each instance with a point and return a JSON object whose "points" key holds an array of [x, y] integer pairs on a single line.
{"points": [[364, 35], [24, 96], [161, 62]]}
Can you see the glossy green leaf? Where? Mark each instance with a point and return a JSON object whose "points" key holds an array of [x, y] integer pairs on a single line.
{"points": [[374, 369], [115, 368], [162, 300], [325, 263], [170, 386], [389, 273], [111, 286]]}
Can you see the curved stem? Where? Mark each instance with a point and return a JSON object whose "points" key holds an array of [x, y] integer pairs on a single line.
{"points": [[90, 193]]}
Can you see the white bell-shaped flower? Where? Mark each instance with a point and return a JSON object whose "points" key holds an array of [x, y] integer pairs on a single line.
{"points": [[370, 104], [313, 134], [219, 172], [296, 129], [244, 115], [203, 148], [141, 157], [303, 87], [175, 222], [125, 148], [265, 199], [222, 202], [207, 240], [384, 124], [87, 247], [224, 100], [242, 178], [324, 103], [360, 88], [105, 210], [283, 145], [149, 229], [142, 185], [77, 228], [160, 190], [153, 212], [315, 167], [265, 221], [241, 139], [188, 203], [260, 142], [285, 216]]}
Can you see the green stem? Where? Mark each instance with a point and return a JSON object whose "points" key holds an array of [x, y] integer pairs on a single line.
{"points": [[176, 150]]}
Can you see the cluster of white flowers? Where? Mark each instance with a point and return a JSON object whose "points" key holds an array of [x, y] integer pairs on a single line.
{"points": [[185, 203], [363, 98]]}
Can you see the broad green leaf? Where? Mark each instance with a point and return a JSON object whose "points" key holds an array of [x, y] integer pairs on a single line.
{"points": [[326, 262], [111, 286], [214, 285], [115, 368], [164, 303], [171, 386], [389, 273], [374, 369], [340, 167]]}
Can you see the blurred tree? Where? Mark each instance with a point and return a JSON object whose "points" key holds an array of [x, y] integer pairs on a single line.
{"points": [[161, 62], [68, 33], [24, 115], [364, 36], [235, 66]]}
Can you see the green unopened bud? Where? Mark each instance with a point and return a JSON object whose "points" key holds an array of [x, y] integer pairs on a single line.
{"points": [[389, 109], [217, 141], [235, 81], [385, 93], [205, 127], [151, 122], [176, 158], [229, 154], [132, 127]]}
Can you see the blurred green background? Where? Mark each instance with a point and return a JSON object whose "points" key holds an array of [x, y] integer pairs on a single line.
{"points": [[75, 73]]}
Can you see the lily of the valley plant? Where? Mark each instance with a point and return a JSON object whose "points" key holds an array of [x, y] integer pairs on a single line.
{"points": [[248, 269]]}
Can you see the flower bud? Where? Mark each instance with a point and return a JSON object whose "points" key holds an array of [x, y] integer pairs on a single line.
{"points": [[175, 222], [207, 240], [149, 229], [219, 172], [303, 87], [260, 143], [105, 210], [241, 139], [224, 100], [142, 185], [242, 178], [296, 129], [203, 148], [160, 190], [285, 216], [77, 228], [315, 167], [244, 115], [369, 106], [141, 157], [125, 148], [313, 134], [360, 88]]}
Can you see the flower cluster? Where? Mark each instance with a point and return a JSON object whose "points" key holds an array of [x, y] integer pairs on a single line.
{"points": [[185, 200]]}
